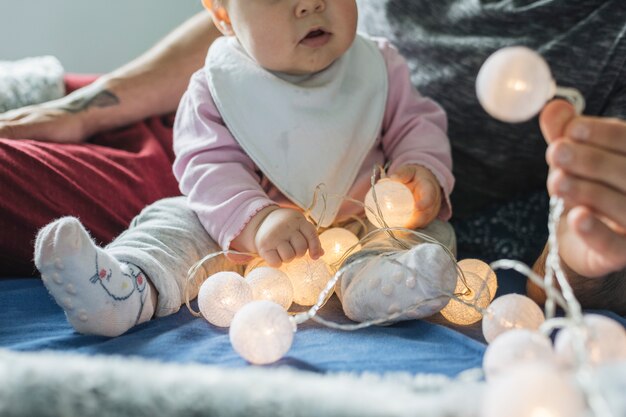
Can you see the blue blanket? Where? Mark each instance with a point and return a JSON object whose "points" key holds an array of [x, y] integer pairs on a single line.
{"points": [[31, 321]]}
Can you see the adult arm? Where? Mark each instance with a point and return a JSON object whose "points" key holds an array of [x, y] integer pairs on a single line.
{"points": [[587, 158], [149, 85]]}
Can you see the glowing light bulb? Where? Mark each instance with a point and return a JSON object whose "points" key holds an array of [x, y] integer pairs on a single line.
{"points": [[271, 284], [261, 332], [484, 272], [308, 278], [606, 341], [221, 296], [476, 293], [517, 347], [532, 390], [511, 311], [514, 84], [336, 242], [395, 201]]}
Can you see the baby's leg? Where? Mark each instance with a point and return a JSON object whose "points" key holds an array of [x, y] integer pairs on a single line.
{"points": [[381, 280], [106, 291], [100, 295], [165, 240]]}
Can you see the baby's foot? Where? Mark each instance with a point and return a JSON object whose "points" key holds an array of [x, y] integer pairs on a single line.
{"points": [[99, 294], [417, 282]]}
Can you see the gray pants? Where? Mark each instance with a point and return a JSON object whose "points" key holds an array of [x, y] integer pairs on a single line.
{"points": [[166, 239]]}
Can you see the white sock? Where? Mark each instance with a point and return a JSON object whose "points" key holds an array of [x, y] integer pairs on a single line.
{"points": [[417, 282], [99, 294]]}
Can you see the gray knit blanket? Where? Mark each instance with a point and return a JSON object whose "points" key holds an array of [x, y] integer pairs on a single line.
{"points": [[30, 81]]}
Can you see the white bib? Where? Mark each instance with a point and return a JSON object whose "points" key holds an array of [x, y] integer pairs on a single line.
{"points": [[303, 131]]}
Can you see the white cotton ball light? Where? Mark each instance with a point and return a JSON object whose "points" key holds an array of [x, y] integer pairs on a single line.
{"points": [[271, 284], [336, 242], [532, 390], [221, 295], [511, 311], [395, 201], [482, 271], [514, 84], [474, 297], [517, 347], [308, 278], [261, 332], [605, 343]]}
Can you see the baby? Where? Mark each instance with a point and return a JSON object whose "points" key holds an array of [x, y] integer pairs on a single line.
{"points": [[289, 99]]}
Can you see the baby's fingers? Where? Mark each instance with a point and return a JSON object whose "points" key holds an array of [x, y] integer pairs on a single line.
{"points": [[299, 244], [286, 251], [405, 174], [271, 257], [425, 194], [312, 239]]}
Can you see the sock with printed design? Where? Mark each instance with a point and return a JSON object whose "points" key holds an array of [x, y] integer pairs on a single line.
{"points": [[99, 294]]}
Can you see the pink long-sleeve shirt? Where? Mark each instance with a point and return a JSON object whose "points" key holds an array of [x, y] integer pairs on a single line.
{"points": [[226, 189]]}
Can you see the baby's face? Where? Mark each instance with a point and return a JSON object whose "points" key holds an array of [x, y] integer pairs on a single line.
{"points": [[294, 36]]}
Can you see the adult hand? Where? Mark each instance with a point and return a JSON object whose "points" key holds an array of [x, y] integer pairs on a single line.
{"points": [[285, 234], [587, 158], [51, 121], [426, 192]]}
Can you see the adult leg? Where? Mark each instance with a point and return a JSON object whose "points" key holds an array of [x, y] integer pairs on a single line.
{"points": [[105, 183]]}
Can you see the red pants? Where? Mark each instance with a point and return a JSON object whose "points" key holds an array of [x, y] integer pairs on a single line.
{"points": [[104, 182]]}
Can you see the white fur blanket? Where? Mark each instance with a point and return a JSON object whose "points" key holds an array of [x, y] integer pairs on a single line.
{"points": [[59, 384]]}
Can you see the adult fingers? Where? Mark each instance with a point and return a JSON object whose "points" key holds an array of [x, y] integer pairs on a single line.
{"points": [[20, 123], [16, 114], [600, 198], [22, 129], [312, 239], [15, 128], [554, 119], [607, 248], [590, 162], [7, 131], [51, 125], [609, 134]]}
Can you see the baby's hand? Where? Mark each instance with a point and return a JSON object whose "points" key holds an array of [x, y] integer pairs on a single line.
{"points": [[426, 191], [285, 234]]}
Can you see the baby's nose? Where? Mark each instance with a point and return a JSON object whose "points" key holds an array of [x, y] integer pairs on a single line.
{"points": [[306, 7]]}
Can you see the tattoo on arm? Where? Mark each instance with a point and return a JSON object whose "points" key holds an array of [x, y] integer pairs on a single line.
{"points": [[95, 98]]}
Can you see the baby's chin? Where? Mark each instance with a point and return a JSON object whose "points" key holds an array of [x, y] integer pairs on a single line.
{"points": [[310, 63], [308, 68]]}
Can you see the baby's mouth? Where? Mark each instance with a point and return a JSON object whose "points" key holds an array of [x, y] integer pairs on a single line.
{"points": [[316, 38]]}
